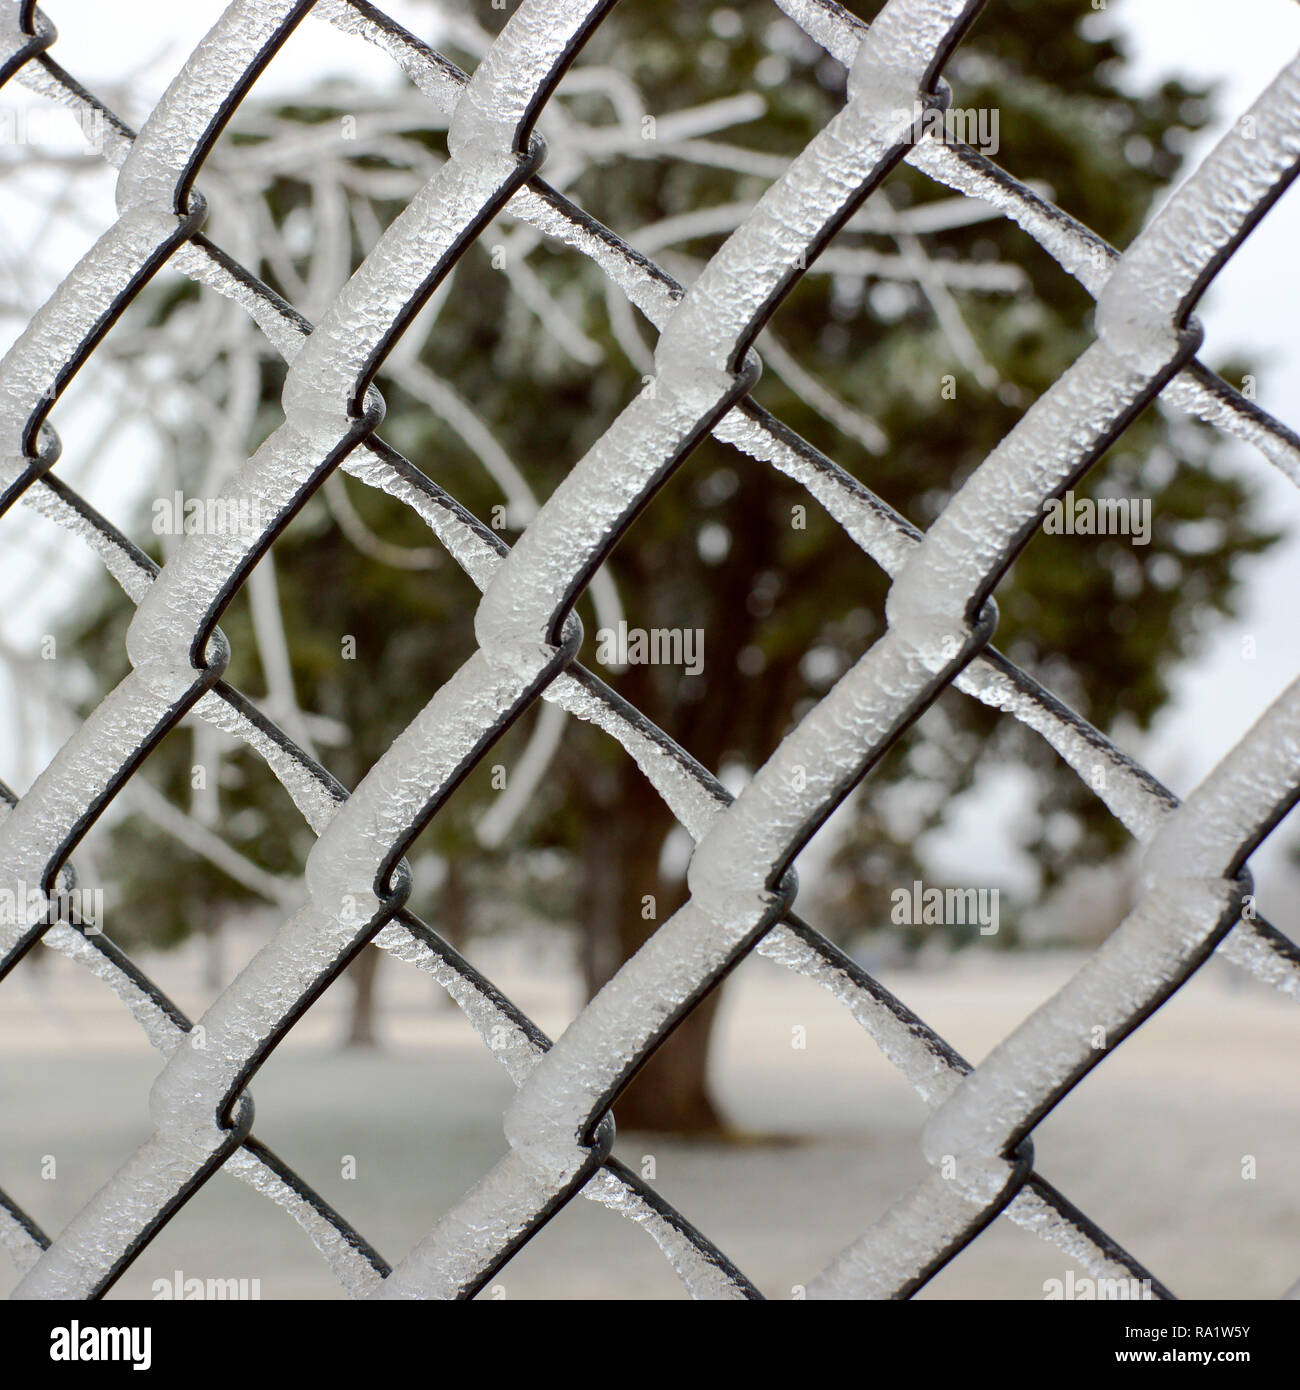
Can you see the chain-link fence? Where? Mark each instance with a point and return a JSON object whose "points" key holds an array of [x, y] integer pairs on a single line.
{"points": [[1196, 895]]}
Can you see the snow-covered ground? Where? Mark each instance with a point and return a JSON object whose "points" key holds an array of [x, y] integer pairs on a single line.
{"points": [[1152, 1145]]}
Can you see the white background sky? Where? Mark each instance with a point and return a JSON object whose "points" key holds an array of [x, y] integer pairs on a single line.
{"points": [[1253, 310]]}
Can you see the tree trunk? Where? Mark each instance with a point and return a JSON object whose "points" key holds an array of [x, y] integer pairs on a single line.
{"points": [[451, 917], [214, 965], [671, 1094], [624, 901], [452, 905], [361, 1023]]}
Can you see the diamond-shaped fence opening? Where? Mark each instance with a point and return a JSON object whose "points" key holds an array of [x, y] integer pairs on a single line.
{"points": [[1196, 895]]}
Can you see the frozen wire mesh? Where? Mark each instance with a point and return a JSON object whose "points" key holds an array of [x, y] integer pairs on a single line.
{"points": [[941, 619]]}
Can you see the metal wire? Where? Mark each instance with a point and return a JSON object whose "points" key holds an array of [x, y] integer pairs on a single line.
{"points": [[941, 621]]}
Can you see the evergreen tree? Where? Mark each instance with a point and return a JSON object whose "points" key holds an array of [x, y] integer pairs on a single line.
{"points": [[785, 607]]}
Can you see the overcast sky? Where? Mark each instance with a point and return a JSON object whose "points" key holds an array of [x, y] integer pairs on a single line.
{"points": [[1252, 310]]}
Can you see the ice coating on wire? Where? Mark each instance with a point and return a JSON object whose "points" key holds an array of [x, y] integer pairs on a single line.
{"points": [[151, 222], [871, 523], [520, 657], [169, 665]]}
